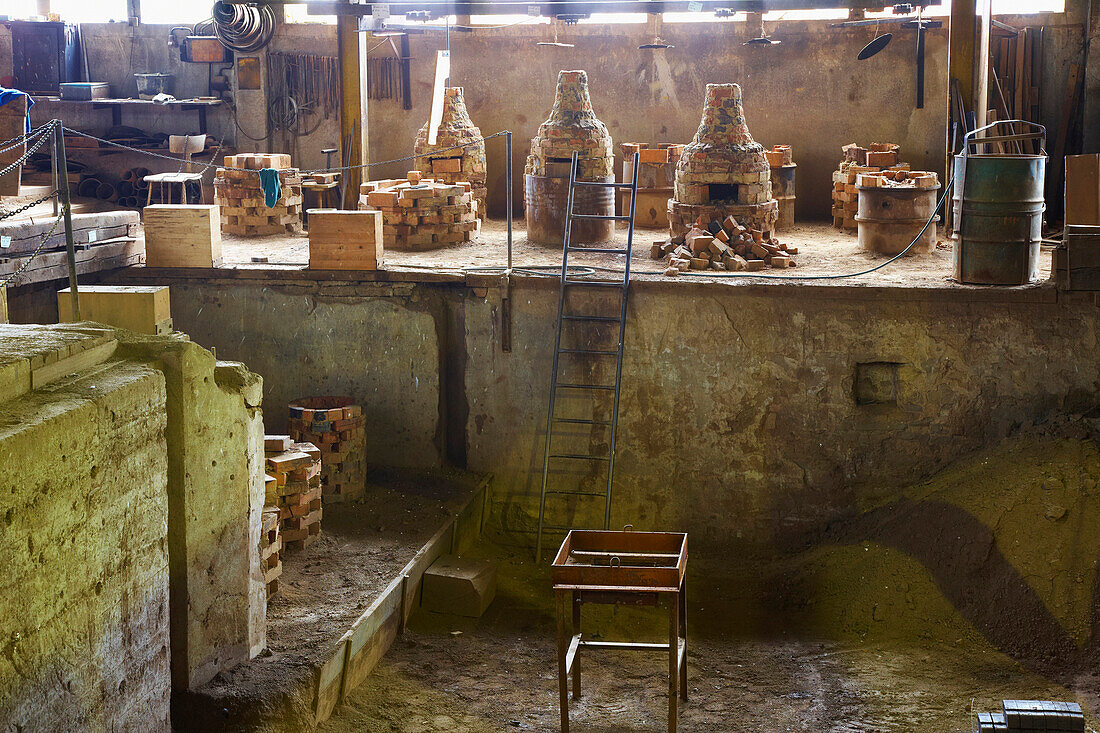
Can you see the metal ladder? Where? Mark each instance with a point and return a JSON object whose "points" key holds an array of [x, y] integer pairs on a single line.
{"points": [[571, 283]]}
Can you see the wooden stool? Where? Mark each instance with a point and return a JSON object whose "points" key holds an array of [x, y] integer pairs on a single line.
{"points": [[319, 196], [185, 145]]}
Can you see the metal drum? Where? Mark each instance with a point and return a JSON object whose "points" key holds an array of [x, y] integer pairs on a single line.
{"points": [[999, 206], [546, 198], [890, 218]]}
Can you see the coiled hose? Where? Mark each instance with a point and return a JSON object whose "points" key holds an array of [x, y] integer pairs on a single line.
{"points": [[243, 28]]}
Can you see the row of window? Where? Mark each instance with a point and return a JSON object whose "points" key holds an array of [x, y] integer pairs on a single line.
{"points": [[173, 11]]}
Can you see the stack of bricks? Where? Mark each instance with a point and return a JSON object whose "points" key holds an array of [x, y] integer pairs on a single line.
{"points": [[445, 162], [782, 165], [238, 194], [337, 428], [878, 157], [894, 178], [723, 171], [271, 543], [572, 127], [296, 468], [723, 245], [422, 213]]}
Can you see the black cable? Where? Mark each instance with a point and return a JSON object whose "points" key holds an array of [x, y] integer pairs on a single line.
{"points": [[243, 28]]}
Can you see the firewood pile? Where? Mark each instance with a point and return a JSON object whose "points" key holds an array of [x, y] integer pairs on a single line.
{"points": [[723, 245]]}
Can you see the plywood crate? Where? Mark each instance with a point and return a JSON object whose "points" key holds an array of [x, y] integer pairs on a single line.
{"points": [[183, 235], [345, 240], [138, 308], [1083, 190]]}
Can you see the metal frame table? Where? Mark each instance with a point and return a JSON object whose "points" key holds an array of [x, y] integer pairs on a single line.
{"points": [[623, 568]]}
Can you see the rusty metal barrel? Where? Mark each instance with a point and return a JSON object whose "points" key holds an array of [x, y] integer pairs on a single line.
{"points": [[999, 206], [546, 199], [890, 219]]}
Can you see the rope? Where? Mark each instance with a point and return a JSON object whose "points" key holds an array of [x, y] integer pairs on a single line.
{"points": [[304, 171]]}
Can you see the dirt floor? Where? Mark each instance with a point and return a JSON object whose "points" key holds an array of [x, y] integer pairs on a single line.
{"points": [[327, 586], [978, 585]]}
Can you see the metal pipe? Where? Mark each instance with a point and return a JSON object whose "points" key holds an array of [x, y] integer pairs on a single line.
{"points": [[508, 194], [63, 195]]}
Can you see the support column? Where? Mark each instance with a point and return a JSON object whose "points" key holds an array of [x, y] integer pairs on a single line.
{"points": [[351, 47]]}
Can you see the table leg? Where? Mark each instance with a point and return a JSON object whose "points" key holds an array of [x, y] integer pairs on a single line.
{"points": [[563, 646], [673, 655], [577, 656], [684, 635]]}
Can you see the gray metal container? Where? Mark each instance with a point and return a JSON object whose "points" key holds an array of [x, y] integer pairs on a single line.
{"points": [[999, 208]]}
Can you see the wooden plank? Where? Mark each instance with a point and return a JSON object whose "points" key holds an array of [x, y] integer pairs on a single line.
{"points": [[372, 635], [54, 265], [330, 679], [47, 373], [26, 233]]}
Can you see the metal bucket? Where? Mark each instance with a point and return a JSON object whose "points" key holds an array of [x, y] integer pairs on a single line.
{"points": [[999, 208]]}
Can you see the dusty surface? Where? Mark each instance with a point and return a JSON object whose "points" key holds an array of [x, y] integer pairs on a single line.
{"points": [[823, 250], [324, 589], [978, 585]]}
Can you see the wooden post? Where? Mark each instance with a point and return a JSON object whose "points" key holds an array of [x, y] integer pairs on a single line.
{"points": [[351, 47], [961, 33], [981, 100]]}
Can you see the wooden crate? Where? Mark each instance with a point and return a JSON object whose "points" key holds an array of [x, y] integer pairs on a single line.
{"points": [[1083, 189], [1076, 262], [183, 235], [139, 308], [345, 240], [13, 122]]}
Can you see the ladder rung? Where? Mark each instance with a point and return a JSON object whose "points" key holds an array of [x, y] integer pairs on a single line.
{"points": [[602, 319], [567, 385], [601, 183], [580, 457], [595, 352], [596, 283], [601, 250], [578, 493], [600, 217], [581, 421]]}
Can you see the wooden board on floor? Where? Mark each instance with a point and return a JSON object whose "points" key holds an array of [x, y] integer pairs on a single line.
{"points": [[54, 265], [26, 233]]}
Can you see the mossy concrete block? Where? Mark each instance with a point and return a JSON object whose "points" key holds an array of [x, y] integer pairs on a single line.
{"points": [[459, 585], [83, 526]]}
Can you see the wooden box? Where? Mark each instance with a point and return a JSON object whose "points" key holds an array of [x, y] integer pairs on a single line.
{"points": [[612, 560], [138, 308], [13, 122], [345, 240], [1083, 190], [1076, 262], [183, 235]]}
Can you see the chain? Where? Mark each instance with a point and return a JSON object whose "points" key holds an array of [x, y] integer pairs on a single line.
{"points": [[36, 252], [22, 159], [27, 207], [303, 171]]}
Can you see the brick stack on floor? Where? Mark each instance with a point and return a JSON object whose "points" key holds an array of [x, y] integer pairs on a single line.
{"points": [[878, 157], [723, 245], [782, 165], [656, 176], [337, 427], [296, 468], [271, 544], [421, 213], [238, 194]]}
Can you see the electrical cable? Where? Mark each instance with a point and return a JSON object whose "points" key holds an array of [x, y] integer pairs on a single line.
{"points": [[243, 28]]}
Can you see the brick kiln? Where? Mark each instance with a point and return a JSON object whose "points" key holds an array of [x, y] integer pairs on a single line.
{"points": [[454, 166], [572, 126], [723, 171]]}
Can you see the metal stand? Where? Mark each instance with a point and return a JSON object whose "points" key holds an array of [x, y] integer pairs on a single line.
{"points": [[62, 168]]}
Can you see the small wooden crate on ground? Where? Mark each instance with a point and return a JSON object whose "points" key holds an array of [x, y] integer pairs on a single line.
{"points": [[237, 190], [336, 426], [139, 308], [345, 240], [296, 493], [182, 235]]}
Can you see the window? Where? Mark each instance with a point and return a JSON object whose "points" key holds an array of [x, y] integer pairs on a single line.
{"points": [[173, 12]]}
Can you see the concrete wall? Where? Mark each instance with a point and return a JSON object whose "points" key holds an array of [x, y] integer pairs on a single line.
{"points": [[740, 419], [83, 525]]}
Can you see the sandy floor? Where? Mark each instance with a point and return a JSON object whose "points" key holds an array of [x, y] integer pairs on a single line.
{"points": [[498, 674]]}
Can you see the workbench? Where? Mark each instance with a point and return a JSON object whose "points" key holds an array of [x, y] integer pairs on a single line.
{"points": [[201, 105], [620, 568]]}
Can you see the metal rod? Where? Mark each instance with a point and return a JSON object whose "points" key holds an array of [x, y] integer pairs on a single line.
{"points": [[63, 194], [508, 194], [56, 184]]}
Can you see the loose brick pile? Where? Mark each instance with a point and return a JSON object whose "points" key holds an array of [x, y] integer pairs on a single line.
{"points": [[337, 428], [465, 164], [296, 468], [898, 179], [238, 194], [271, 544], [874, 159], [572, 126], [723, 245], [723, 171], [422, 213]]}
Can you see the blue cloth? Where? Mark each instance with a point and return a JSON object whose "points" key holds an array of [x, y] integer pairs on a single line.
{"points": [[269, 184], [10, 95]]}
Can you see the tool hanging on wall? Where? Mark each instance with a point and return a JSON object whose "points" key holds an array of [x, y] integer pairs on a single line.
{"points": [[304, 88]]}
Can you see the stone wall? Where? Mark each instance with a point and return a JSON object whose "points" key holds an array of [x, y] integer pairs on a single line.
{"points": [[83, 526]]}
